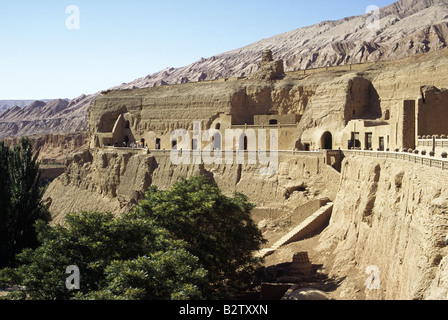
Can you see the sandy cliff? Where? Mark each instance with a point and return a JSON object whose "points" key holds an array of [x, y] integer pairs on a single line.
{"points": [[113, 181], [54, 148], [391, 215]]}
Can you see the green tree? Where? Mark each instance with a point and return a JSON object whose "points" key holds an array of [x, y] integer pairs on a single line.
{"points": [[218, 229], [20, 204], [6, 230], [118, 258], [188, 242]]}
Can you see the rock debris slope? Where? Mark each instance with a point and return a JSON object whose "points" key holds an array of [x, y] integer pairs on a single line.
{"points": [[406, 28]]}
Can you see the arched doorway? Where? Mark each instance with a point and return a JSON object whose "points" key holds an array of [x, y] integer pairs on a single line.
{"points": [[326, 142]]}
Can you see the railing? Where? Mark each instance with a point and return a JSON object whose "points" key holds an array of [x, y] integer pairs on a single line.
{"points": [[438, 143], [429, 161], [264, 126], [166, 152], [285, 152], [127, 149]]}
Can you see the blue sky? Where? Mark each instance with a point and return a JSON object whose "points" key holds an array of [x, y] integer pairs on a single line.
{"points": [[119, 41]]}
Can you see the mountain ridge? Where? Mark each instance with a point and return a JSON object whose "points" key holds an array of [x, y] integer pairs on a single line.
{"points": [[406, 28], [328, 43]]}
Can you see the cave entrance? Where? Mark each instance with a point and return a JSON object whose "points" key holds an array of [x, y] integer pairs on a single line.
{"points": [[327, 141]]}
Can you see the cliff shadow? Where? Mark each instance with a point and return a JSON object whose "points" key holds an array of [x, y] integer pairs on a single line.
{"points": [[275, 280]]}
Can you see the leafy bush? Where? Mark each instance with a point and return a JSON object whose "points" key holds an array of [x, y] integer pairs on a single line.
{"points": [[218, 229], [189, 242], [118, 258]]}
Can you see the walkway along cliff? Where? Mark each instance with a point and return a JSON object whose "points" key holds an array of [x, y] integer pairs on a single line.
{"points": [[388, 211]]}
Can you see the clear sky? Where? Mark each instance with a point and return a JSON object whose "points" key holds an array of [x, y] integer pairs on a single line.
{"points": [[47, 53]]}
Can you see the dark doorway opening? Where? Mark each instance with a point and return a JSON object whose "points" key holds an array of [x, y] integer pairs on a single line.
{"points": [[381, 143], [327, 141], [354, 141], [307, 147], [368, 142]]}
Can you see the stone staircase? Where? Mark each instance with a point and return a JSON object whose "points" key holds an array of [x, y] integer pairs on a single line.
{"points": [[317, 220]]}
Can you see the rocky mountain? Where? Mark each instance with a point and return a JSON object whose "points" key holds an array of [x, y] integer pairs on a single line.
{"points": [[405, 28], [46, 117], [6, 104]]}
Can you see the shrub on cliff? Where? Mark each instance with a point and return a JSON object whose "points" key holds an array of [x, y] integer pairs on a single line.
{"points": [[217, 229], [20, 200]]}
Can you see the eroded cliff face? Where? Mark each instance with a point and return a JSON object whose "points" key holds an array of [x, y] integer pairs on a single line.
{"points": [[114, 181], [319, 102], [390, 216], [167, 108], [54, 148]]}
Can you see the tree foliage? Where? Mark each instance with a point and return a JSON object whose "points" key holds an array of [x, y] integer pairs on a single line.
{"points": [[118, 258], [20, 200], [218, 229], [188, 242]]}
